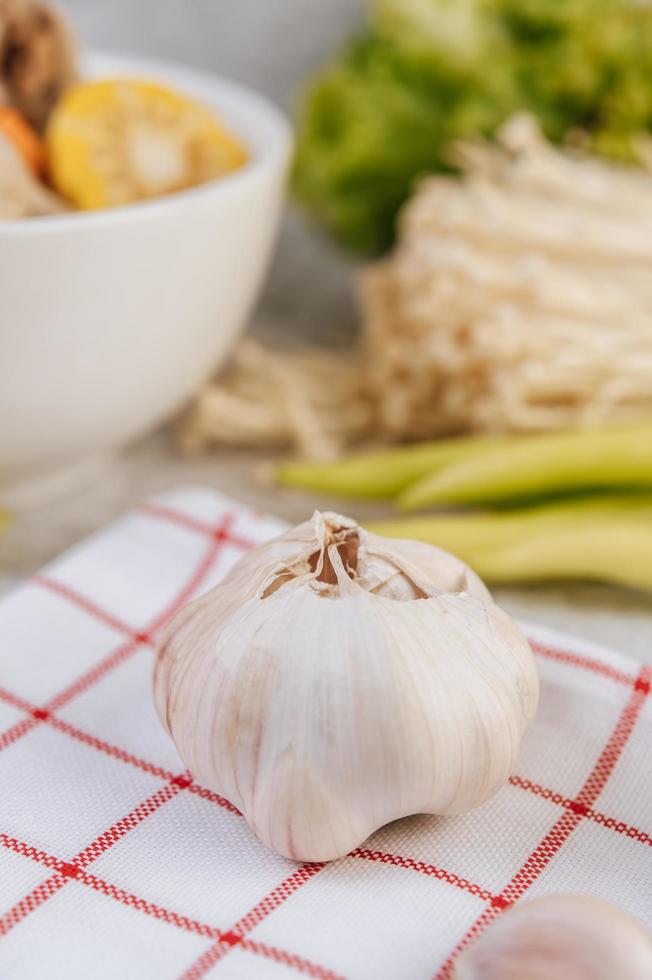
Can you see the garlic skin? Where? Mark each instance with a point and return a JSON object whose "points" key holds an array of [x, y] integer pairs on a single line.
{"points": [[573, 937], [336, 680]]}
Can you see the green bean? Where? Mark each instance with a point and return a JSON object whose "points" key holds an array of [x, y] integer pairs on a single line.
{"points": [[381, 475], [561, 462]]}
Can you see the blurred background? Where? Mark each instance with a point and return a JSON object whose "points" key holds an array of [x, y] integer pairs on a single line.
{"points": [[271, 47], [511, 298]]}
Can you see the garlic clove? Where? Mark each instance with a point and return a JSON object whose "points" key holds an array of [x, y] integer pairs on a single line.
{"points": [[336, 680], [412, 557], [573, 937]]}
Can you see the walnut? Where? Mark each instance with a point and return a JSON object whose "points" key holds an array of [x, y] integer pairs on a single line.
{"points": [[37, 58]]}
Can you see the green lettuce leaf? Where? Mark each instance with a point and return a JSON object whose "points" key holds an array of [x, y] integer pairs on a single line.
{"points": [[426, 72]]}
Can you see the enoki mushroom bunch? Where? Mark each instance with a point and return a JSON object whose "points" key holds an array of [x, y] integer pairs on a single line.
{"points": [[309, 398], [519, 298]]}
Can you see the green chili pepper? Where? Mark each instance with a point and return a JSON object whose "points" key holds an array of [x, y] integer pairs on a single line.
{"points": [[561, 462], [605, 539], [381, 475], [613, 550]]}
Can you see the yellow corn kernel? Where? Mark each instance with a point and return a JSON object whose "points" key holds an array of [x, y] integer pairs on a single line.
{"points": [[119, 141]]}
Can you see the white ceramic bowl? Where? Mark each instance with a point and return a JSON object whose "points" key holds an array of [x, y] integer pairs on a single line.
{"points": [[110, 320]]}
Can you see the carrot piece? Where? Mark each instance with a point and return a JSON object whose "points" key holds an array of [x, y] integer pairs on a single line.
{"points": [[26, 140]]}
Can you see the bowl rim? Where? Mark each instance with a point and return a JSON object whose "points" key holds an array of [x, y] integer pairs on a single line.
{"points": [[274, 152]]}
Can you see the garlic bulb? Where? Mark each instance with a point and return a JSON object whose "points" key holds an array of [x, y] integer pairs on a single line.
{"points": [[336, 680], [573, 937]]}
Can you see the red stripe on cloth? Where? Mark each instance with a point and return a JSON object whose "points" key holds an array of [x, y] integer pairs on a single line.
{"points": [[26, 850], [30, 903], [621, 828], [112, 750], [219, 538], [427, 869], [133, 760], [249, 921], [77, 599], [208, 794], [298, 963], [583, 662], [70, 870], [20, 728], [93, 675], [116, 657], [149, 908], [276, 897], [616, 743], [123, 826], [16, 731], [193, 524], [209, 958], [559, 833], [15, 701], [97, 743], [548, 794]]}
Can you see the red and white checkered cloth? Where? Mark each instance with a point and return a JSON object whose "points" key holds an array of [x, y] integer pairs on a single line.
{"points": [[115, 864]]}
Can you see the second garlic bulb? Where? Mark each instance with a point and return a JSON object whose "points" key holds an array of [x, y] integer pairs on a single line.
{"points": [[336, 680], [560, 937]]}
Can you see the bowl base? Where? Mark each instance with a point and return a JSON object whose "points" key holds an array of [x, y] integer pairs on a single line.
{"points": [[40, 490]]}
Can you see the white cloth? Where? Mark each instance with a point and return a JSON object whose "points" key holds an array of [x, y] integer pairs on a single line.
{"points": [[115, 865]]}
